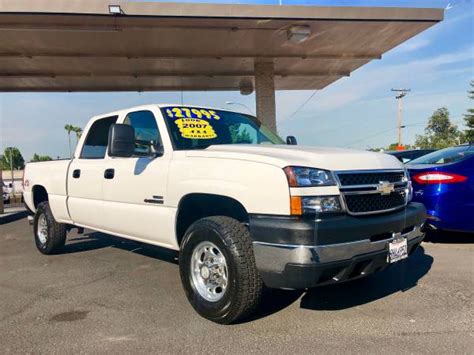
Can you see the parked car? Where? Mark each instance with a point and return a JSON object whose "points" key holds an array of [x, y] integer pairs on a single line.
{"points": [[408, 155], [6, 197], [6, 193], [242, 208], [444, 182]]}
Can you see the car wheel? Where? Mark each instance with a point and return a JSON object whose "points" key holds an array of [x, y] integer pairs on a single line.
{"points": [[218, 269], [50, 235]]}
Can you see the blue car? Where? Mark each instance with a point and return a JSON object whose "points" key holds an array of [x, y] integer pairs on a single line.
{"points": [[444, 182]]}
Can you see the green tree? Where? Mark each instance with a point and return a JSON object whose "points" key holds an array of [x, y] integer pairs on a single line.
{"points": [[77, 130], [440, 132], [240, 136], [37, 157], [469, 118], [12, 154]]}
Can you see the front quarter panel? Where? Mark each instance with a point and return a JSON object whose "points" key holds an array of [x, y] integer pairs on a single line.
{"points": [[260, 188]]}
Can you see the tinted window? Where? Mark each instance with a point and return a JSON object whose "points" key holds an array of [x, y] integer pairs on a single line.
{"points": [[146, 131], [198, 128], [95, 144], [446, 156]]}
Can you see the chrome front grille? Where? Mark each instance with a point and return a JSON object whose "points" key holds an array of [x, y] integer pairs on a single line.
{"points": [[369, 192]]}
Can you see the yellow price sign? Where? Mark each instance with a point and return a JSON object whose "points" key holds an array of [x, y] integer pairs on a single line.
{"points": [[195, 128], [185, 112]]}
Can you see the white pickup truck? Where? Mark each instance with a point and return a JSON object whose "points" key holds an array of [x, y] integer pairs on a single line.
{"points": [[244, 209]]}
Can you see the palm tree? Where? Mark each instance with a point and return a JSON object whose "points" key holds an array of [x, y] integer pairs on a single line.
{"points": [[78, 131], [69, 128]]}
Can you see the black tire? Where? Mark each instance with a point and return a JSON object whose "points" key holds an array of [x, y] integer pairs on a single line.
{"points": [[244, 285], [56, 232]]}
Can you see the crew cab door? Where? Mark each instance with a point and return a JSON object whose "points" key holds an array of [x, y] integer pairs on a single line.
{"points": [[135, 203], [86, 175]]}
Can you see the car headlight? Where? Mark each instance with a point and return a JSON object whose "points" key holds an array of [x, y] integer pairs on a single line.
{"points": [[306, 177], [317, 204], [308, 205]]}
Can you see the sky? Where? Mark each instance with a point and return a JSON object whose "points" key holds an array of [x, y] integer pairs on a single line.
{"points": [[354, 112]]}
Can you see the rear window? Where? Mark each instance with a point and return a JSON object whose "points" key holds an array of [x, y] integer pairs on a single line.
{"points": [[445, 156]]}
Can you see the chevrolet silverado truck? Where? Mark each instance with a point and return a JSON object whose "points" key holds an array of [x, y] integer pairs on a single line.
{"points": [[244, 209]]}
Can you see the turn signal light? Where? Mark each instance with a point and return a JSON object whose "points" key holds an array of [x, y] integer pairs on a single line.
{"points": [[436, 177], [296, 207]]}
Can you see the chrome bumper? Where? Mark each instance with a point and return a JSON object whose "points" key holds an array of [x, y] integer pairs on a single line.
{"points": [[274, 257], [301, 266]]}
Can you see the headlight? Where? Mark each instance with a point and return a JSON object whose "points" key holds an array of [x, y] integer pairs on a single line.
{"points": [[318, 204], [305, 177], [300, 205]]}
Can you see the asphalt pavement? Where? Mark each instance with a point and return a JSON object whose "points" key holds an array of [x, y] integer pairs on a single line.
{"points": [[108, 295]]}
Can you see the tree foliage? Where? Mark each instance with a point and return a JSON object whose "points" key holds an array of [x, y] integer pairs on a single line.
{"points": [[440, 132], [12, 155], [239, 136], [469, 118], [37, 157], [77, 130]]}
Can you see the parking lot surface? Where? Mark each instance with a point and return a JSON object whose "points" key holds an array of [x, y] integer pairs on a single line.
{"points": [[105, 294]]}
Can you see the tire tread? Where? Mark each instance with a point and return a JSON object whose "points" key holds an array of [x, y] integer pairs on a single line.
{"points": [[237, 238], [57, 231]]}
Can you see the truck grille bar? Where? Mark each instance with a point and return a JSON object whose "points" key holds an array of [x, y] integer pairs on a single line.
{"points": [[370, 192]]}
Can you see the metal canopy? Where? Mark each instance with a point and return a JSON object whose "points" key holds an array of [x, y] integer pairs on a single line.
{"points": [[56, 45]]}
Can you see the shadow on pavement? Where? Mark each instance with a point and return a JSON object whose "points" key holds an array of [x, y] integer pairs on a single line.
{"points": [[96, 240], [399, 277], [449, 237], [273, 301]]}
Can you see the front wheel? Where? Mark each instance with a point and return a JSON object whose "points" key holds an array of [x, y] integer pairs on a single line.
{"points": [[218, 270], [50, 235]]}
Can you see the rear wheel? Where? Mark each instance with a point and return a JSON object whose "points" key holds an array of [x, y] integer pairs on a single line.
{"points": [[218, 270], [50, 235]]}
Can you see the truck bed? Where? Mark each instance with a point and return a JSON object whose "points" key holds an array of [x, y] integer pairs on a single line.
{"points": [[52, 175]]}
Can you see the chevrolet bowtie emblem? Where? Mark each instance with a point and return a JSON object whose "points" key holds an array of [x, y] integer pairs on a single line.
{"points": [[385, 187]]}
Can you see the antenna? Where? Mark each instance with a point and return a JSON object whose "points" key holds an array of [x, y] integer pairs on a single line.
{"points": [[401, 93]]}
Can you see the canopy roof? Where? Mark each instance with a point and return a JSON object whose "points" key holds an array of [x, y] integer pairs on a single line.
{"points": [[56, 45]]}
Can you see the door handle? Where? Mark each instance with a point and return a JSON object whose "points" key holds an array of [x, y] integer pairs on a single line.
{"points": [[109, 173], [76, 174]]}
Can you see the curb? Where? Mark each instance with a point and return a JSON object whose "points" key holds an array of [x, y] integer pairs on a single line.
{"points": [[14, 216]]}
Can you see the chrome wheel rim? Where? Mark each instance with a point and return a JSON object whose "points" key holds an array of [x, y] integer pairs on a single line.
{"points": [[42, 231], [209, 271]]}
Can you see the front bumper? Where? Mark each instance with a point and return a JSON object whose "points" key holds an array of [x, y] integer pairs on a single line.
{"points": [[297, 253]]}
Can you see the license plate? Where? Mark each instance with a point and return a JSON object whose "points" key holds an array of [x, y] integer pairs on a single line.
{"points": [[397, 250]]}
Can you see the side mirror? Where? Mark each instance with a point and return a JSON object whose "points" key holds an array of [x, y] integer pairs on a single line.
{"points": [[291, 140], [157, 150], [121, 140]]}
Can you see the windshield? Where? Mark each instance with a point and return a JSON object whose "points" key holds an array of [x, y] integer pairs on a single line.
{"points": [[445, 156], [198, 128]]}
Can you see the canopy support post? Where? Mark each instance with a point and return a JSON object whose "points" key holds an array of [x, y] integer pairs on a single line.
{"points": [[265, 94]]}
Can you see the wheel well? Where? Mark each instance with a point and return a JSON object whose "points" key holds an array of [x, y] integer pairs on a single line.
{"points": [[196, 206], [39, 195]]}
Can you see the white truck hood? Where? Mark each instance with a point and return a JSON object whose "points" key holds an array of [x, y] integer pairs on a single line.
{"points": [[285, 155]]}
